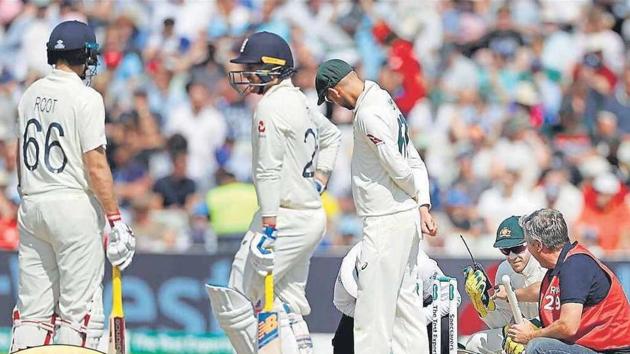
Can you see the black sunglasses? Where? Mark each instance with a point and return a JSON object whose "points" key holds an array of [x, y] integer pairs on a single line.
{"points": [[516, 249]]}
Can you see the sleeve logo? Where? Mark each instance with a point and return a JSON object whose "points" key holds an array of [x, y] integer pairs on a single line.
{"points": [[374, 139]]}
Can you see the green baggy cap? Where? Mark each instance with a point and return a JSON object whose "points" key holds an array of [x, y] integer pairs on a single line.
{"points": [[509, 233], [328, 75]]}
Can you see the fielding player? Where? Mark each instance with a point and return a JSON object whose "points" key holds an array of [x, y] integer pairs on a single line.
{"points": [[346, 292], [525, 275], [582, 306], [389, 184], [66, 188], [294, 151]]}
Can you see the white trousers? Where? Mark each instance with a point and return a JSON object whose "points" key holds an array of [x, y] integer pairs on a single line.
{"points": [[386, 317], [299, 233], [489, 341], [61, 258]]}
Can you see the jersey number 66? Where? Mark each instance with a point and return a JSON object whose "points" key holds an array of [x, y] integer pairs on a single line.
{"points": [[48, 146]]}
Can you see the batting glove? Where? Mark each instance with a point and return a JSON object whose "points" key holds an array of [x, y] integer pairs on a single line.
{"points": [[475, 287], [261, 254], [319, 186], [121, 245]]}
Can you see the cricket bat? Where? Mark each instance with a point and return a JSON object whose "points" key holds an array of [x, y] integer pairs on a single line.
{"points": [[516, 311], [268, 323], [117, 316]]}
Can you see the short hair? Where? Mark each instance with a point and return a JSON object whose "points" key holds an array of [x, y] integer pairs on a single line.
{"points": [[547, 226]]}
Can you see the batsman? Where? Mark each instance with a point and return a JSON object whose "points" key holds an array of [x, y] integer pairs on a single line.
{"points": [[67, 194], [525, 274], [294, 149]]}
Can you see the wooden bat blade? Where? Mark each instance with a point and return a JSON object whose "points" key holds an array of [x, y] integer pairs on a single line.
{"points": [[268, 323], [117, 317], [268, 333], [116, 335]]}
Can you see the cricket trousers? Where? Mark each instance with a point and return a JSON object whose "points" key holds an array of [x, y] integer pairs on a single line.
{"points": [[61, 260], [299, 233], [386, 316]]}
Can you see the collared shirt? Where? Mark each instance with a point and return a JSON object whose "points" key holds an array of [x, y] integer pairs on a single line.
{"points": [[388, 175], [59, 119], [502, 315], [290, 141]]}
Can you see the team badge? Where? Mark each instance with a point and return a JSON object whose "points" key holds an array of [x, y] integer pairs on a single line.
{"points": [[60, 45], [261, 128], [505, 232]]}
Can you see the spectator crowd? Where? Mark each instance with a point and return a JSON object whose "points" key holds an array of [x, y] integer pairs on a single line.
{"points": [[514, 105]]}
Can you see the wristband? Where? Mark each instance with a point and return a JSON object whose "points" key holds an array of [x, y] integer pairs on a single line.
{"points": [[113, 218]]}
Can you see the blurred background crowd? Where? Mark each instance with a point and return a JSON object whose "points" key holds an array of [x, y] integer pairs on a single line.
{"points": [[514, 105]]}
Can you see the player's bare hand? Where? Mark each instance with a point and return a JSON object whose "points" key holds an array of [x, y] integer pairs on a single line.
{"points": [[500, 293], [522, 333], [429, 226]]}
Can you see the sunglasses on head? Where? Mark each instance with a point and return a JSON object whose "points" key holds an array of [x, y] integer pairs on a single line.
{"points": [[516, 249]]}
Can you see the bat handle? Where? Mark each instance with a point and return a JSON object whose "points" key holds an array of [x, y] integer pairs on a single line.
{"points": [[516, 311], [117, 306], [268, 292]]}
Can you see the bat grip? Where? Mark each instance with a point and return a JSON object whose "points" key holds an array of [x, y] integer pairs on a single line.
{"points": [[117, 305], [268, 293]]}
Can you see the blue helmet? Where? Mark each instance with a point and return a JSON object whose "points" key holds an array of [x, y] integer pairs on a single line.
{"points": [[267, 56], [74, 42]]}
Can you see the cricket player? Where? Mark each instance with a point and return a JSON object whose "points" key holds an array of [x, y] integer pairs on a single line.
{"points": [[346, 292], [67, 194], [294, 150], [525, 275], [389, 184]]}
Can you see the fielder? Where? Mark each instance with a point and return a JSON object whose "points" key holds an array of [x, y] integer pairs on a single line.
{"points": [[294, 151], [346, 292], [389, 185], [525, 274], [66, 188]]}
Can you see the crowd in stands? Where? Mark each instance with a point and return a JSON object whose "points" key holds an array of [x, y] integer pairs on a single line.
{"points": [[514, 105]]}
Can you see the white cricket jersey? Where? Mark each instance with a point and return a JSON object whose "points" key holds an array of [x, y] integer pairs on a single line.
{"points": [[387, 172], [59, 119], [502, 315], [290, 141]]}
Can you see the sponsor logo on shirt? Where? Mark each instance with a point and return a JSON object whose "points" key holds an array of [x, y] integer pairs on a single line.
{"points": [[374, 139], [261, 128]]}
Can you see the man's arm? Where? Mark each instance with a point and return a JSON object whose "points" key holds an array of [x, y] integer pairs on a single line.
{"points": [[329, 143], [100, 178], [386, 148], [420, 175], [529, 293], [268, 162], [566, 326]]}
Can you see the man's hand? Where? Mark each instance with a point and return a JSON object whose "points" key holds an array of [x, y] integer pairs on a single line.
{"points": [[475, 287], [523, 332], [429, 226], [510, 346], [500, 293], [261, 254], [121, 245]]}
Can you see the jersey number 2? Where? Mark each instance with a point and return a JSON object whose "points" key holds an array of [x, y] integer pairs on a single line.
{"points": [[48, 146], [308, 172]]}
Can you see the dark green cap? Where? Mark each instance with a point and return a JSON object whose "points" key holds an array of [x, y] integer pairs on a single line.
{"points": [[328, 75], [509, 233]]}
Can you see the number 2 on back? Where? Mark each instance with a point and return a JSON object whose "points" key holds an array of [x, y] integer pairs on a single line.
{"points": [[308, 172]]}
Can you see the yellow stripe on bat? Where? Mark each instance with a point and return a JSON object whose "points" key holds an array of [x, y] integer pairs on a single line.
{"points": [[268, 293], [117, 303]]}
